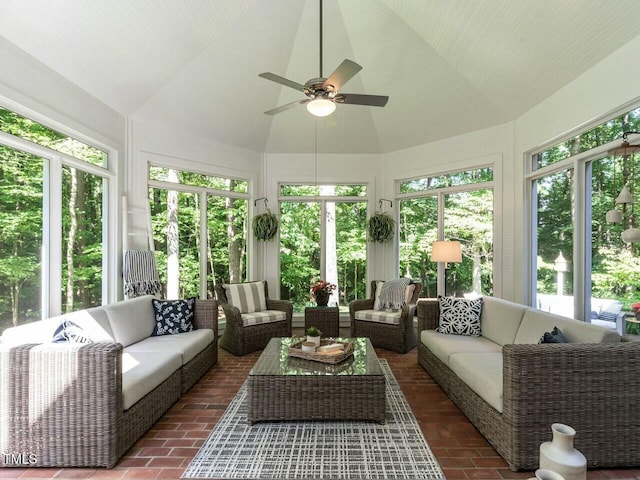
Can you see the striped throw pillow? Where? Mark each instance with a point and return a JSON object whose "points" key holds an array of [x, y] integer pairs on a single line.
{"points": [[246, 297]]}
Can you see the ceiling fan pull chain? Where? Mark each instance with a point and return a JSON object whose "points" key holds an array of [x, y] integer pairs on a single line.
{"points": [[320, 39]]}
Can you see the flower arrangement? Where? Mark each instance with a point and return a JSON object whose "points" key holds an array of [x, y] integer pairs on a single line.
{"points": [[635, 307], [322, 286]]}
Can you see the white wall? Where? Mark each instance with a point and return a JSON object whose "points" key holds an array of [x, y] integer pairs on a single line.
{"points": [[612, 84], [491, 146]]}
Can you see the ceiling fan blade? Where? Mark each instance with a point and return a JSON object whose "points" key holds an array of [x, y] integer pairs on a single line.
{"points": [[285, 107], [356, 99], [342, 75], [282, 81]]}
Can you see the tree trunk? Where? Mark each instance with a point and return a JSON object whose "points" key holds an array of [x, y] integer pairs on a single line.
{"points": [[234, 240], [331, 258], [173, 247], [477, 276], [71, 238]]}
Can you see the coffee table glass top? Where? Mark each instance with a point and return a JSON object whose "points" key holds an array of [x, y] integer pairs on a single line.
{"points": [[275, 360]]}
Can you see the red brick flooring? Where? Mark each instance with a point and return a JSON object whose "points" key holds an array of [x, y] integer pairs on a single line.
{"points": [[166, 450]]}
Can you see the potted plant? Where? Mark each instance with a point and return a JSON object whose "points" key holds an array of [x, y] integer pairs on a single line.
{"points": [[381, 227], [265, 226], [636, 310], [321, 291], [313, 335]]}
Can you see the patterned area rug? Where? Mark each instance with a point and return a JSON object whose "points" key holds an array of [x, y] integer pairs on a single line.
{"points": [[317, 450]]}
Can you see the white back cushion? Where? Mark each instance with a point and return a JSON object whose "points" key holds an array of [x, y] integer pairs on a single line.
{"points": [[535, 323], [93, 322], [131, 320], [246, 297], [500, 319]]}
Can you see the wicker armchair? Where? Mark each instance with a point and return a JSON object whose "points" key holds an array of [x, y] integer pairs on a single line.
{"points": [[399, 337], [240, 336]]}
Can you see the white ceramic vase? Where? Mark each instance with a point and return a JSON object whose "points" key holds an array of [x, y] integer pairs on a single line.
{"points": [[542, 474], [560, 456], [315, 340]]}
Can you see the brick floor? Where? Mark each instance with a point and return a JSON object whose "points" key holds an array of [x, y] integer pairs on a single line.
{"points": [[168, 447]]}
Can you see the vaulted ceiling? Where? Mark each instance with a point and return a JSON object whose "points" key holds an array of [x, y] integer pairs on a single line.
{"points": [[448, 66]]}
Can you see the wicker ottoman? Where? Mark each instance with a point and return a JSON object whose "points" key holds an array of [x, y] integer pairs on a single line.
{"points": [[280, 387], [327, 319]]}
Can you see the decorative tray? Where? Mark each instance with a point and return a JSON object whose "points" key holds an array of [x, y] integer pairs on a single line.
{"points": [[295, 350]]}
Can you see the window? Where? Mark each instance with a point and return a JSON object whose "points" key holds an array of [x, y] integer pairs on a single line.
{"points": [[193, 254], [53, 192], [574, 184], [322, 236], [455, 206]]}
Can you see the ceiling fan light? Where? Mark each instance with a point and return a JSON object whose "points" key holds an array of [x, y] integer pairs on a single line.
{"points": [[321, 107]]}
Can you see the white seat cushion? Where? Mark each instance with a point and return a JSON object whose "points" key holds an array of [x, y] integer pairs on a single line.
{"points": [[443, 345], [187, 344], [246, 297], [266, 316], [380, 316], [144, 371], [482, 372]]}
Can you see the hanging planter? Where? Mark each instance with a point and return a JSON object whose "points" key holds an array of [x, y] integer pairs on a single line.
{"points": [[381, 227], [265, 226]]}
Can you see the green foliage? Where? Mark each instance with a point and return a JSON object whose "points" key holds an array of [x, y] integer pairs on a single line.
{"points": [[381, 227], [265, 226], [313, 332]]}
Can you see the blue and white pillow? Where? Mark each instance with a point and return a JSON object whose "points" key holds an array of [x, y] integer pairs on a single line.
{"points": [[173, 316], [70, 332], [459, 316]]}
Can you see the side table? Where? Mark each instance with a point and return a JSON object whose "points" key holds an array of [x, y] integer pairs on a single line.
{"points": [[327, 319]]}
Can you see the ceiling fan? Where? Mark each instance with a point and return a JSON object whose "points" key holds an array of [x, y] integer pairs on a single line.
{"points": [[323, 93]]}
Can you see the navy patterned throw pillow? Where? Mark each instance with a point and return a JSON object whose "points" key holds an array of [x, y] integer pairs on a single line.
{"points": [[173, 316], [70, 332], [459, 316]]}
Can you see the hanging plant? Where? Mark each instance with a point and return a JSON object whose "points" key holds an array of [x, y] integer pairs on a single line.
{"points": [[265, 226], [381, 227]]}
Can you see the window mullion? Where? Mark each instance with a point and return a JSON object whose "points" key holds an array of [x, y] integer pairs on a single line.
{"points": [[53, 232]]}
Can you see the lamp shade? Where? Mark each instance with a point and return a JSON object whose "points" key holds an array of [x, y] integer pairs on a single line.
{"points": [[446, 251], [321, 107]]}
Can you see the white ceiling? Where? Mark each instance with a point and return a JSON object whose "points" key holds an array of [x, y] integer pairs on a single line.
{"points": [[448, 66]]}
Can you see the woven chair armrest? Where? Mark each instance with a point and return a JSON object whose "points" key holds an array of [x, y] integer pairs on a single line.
{"points": [[232, 315], [428, 314], [206, 315], [73, 401], [282, 305], [364, 304], [407, 312], [567, 377]]}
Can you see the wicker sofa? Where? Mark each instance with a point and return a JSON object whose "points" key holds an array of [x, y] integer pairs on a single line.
{"points": [[512, 388], [71, 405]]}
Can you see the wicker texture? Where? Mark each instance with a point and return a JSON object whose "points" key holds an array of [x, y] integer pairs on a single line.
{"points": [[65, 401], [314, 397], [326, 319], [592, 387], [400, 338], [240, 340]]}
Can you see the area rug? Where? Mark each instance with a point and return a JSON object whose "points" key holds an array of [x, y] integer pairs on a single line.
{"points": [[317, 450]]}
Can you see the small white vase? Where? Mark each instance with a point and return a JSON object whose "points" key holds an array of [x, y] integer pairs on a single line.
{"points": [[560, 456], [315, 340]]}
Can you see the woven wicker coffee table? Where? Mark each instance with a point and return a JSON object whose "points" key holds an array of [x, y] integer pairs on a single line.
{"points": [[280, 387]]}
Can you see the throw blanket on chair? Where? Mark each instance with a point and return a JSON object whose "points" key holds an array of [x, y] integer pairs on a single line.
{"points": [[140, 273], [392, 293]]}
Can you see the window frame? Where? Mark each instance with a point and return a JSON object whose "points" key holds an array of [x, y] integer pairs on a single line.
{"points": [[52, 248], [582, 164]]}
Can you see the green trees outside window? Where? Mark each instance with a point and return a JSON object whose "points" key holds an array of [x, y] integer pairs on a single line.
{"points": [[193, 256], [323, 237], [52, 193], [467, 217]]}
